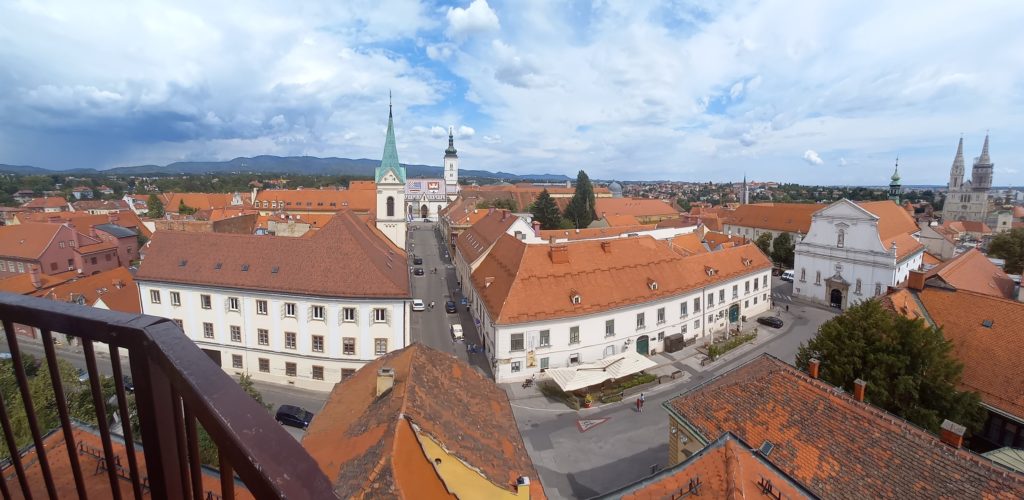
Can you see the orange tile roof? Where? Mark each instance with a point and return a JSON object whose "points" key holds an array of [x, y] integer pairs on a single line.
{"points": [[346, 258], [365, 443], [323, 200], [903, 301], [973, 271], [27, 241], [715, 240], [621, 220], [594, 232], [893, 221], [991, 355], [967, 226], [526, 285], [48, 202], [22, 283], [906, 245], [79, 219], [637, 207], [100, 205], [688, 244], [930, 260], [1018, 212], [200, 201], [832, 444], [681, 221], [116, 287], [96, 485], [789, 217], [726, 468], [475, 241]]}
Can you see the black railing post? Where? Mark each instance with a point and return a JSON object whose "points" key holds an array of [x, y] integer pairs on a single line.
{"points": [[153, 398]]}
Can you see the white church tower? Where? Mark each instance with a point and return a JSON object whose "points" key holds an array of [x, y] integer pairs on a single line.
{"points": [[451, 162], [390, 179]]}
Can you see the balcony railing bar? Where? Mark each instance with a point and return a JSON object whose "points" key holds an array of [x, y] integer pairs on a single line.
{"points": [[12, 448], [227, 477], [183, 449], [62, 412], [126, 422], [101, 416], [30, 412], [193, 451]]}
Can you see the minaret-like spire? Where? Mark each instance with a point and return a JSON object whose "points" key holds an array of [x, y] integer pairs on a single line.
{"points": [[451, 142]]}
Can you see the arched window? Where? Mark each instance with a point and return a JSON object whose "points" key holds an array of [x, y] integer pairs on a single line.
{"points": [[858, 286], [391, 206], [840, 238]]}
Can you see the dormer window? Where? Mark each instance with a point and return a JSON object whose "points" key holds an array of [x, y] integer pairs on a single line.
{"points": [[653, 285], [575, 297], [747, 262], [710, 271]]}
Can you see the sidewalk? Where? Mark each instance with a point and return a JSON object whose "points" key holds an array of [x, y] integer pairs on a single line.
{"points": [[686, 361]]}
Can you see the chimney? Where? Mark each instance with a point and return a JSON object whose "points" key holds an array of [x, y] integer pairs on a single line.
{"points": [[504, 214], [606, 246], [385, 380], [916, 280], [490, 210], [812, 367], [536, 228], [551, 240], [952, 433], [559, 254], [523, 486], [858, 389], [488, 280], [35, 276]]}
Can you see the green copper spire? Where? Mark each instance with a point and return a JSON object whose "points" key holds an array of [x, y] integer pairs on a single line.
{"points": [[390, 159], [451, 143]]}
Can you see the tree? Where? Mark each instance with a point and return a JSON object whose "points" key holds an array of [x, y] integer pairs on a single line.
{"points": [[1009, 246], [184, 209], [156, 207], [783, 249], [545, 211], [764, 242], [505, 203], [582, 207], [906, 363]]}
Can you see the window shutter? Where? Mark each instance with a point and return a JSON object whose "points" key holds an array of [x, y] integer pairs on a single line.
{"points": [[355, 311], [227, 304], [282, 309], [387, 315], [309, 313], [341, 315]]}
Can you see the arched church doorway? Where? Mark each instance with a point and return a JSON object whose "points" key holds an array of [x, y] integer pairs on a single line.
{"points": [[836, 299], [424, 211]]}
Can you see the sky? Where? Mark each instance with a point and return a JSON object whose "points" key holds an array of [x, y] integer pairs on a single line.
{"points": [[788, 90]]}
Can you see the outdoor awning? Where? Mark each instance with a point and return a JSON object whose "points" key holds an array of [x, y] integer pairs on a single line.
{"points": [[612, 367]]}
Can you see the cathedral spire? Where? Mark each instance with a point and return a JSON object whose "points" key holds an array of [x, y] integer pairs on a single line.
{"points": [[390, 159], [984, 159], [956, 172]]}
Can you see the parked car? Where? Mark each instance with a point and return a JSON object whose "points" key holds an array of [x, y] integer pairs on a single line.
{"points": [[4, 356], [464, 301], [417, 261], [772, 321], [418, 271], [293, 416], [449, 307], [787, 275], [426, 219], [456, 332], [418, 305], [129, 386], [83, 376]]}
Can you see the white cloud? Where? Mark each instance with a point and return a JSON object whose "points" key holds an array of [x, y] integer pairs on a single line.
{"points": [[475, 19], [842, 162], [438, 131], [812, 158], [465, 132]]}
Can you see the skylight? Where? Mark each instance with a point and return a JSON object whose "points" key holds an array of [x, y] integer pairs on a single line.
{"points": [[245, 267]]}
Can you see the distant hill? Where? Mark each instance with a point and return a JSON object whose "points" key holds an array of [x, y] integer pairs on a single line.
{"points": [[278, 165]]}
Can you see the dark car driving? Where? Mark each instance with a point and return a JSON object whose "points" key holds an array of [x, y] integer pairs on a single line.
{"points": [[293, 416], [418, 271], [771, 321], [449, 306], [417, 261]]}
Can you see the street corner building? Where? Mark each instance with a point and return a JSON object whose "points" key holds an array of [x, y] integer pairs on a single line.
{"points": [[306, 312], [828, 441], [420, 424]]}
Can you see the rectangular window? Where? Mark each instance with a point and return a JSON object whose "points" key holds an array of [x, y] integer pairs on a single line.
{"points": [[878, 288], [319, 313], [735, 291], [289, 340], [21, 266], [236, 360], [348, 345], [641, 320], [766, 281], [154, 296], [817, 277], [543, 364], [517, 342], [746, 286], [755, 284], [236, 333], [609, 328], [661, 315], [380, 347], [574, 359], [318, 373], [261, 307], [755, 301], [289, 309], [721, 296], [346, 373], [289, 369], [204, 301], [711, 300], [348, 314], [684, 327], [711, 317], [545, 338], [661, 335], [175, 299], [516, 366], [380, 315], [696, 305], [233, 303], [318, 343], [696, 324], [263, 336], [208, 330], [264, 365], [682, 310], [574, 335]]}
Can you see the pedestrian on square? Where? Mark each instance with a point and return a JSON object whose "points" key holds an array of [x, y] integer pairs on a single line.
{"points": [[642, 401], [638, 405], [787, 307]]}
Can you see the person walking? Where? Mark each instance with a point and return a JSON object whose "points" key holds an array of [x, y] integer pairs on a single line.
{"points": [[638, 405], [642, 401], [787, 307]]}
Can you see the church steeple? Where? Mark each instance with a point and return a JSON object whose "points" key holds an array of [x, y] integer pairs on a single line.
{"points": [[451, 143], [984, 159], [894, 184], [451, 162], [956, 173], [981, 174], [389, 162]]}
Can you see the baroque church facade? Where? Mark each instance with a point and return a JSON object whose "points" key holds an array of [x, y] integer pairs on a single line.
{"points": [[426, 198], [968, 201]]}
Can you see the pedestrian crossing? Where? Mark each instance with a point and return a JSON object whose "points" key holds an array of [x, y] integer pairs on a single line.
{"points": [[782, 297]]}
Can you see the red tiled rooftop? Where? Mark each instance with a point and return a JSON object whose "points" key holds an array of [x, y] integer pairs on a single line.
{"points": [[637, 207], [475, 241], [973, 271], [48, 202]]}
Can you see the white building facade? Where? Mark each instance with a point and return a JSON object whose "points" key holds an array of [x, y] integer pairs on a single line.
{"points": [[851, 253], [426, 198], [968, 201], [307, 341], [390, 180]]}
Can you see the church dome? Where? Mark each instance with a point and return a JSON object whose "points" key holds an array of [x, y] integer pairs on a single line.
{"points": [[616, 189]]}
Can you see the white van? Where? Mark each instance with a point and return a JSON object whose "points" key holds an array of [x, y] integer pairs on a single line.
{"points": [[787, 275], [456, 332]]}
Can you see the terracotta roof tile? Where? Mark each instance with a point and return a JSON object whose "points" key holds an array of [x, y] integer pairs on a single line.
{"points": [[973, 271], [22, 283], [200, 201], [726, 468], [526, 285], [834, 445], [27, 241], [593, 232], [116, 287], [621, 220], [991, 355], [930, 260], [715, 240], [476, 240], [637, 207], [346, 258], [100, 205], [789, 217], [364, 443], [325, 200], [893, 221], [49, 202], [688, 244]]}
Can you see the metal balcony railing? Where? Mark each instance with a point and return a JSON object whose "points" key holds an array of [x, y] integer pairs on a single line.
{"points": [[176, 387]]}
